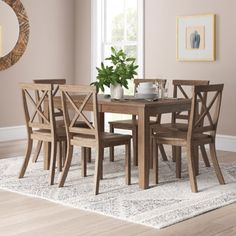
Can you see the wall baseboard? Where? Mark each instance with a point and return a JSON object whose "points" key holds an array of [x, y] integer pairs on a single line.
{"points": [[223, 142], [226, 143], [12, 133]]}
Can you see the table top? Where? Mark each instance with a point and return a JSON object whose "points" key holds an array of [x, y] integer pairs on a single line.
{"points": [[132, 105], [131, 100]]}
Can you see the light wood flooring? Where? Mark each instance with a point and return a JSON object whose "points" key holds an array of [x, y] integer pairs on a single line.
{"points": [[21, 215]]}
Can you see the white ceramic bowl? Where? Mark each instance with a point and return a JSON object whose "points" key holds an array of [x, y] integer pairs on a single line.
{"points": [[146, 90], [146, 85], [146, 96]]}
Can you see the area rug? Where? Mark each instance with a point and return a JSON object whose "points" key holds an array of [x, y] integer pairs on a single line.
{"points": [[169, 202]]}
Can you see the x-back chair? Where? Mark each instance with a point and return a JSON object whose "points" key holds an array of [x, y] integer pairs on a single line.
{"points": [[202, 126], [78, 100], [43, 129]]}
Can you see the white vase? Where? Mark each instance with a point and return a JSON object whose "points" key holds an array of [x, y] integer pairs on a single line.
{"points": [[117, 91]]}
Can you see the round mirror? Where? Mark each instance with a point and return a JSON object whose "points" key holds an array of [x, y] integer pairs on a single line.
{"points": [[14, 32], [9, 29]]}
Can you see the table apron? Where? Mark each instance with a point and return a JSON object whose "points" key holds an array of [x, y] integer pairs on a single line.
{"points": [[152, 111], [118, 109]]}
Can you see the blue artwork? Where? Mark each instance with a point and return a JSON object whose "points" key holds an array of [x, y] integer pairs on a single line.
{"points": [[195, 40]]}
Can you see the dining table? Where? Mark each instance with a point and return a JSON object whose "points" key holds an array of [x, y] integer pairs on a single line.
{"points": [[143, 109]]}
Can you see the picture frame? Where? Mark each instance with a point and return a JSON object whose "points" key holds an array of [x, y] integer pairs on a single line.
{"points": [[196, 37]]}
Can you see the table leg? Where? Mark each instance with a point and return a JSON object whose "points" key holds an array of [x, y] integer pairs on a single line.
{"points": [[143, 148], [101, 120], [47, 151], [46, 145]]}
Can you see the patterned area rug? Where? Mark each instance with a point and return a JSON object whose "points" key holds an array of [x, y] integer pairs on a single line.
{"points": [[159, 206]]}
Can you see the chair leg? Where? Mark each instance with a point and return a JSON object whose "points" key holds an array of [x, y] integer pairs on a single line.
{"points": [[196, 160], [83, 161], [66, 166], [101, 165], [155, 161], [63, 153], [88, 155], [59, 156], [204, 155], [53, 162], [151, 157], [135, 146], [47, 153], [173, 153], [191, 166], [37, 151], [216, 163], [27, 157], [98, 163], [127, 164], [178, 161], [163, 153], [111, 149]]}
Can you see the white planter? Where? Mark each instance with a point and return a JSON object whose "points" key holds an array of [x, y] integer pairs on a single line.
{"points": [[117, 92]]}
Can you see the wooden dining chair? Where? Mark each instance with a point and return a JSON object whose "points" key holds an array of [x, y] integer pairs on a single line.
{"points": [[91, 137], [132, 124], [43, 129], [59, 123], [179, 120], [201, 130], [55, 85]]}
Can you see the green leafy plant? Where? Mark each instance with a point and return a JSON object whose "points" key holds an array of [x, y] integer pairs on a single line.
{"points": [[121, 69]]}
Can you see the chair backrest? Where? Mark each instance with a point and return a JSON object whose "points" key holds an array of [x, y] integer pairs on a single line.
{"points": [[35, 106], [181, 87], [79, 103], [54, 82], [55, 87], [205, 119], [153, 80], [184, 89]]}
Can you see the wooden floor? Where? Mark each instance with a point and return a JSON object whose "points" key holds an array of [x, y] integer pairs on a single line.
{"points": [[21, 215]]}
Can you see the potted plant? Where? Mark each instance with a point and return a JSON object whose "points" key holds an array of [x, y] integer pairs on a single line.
{"points": [[116, 75]]}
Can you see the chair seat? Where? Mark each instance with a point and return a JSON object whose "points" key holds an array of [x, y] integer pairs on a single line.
{"points": [[45, 135], [176, 126], [107, 139], [170, 126], [179, 137], [127, 124], [113, 139]]}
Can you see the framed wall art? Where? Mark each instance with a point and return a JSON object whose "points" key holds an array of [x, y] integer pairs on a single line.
{"points": [[196, 38]]}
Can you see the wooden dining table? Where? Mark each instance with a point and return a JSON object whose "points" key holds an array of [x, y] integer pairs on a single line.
{"points": [[144, 109]]}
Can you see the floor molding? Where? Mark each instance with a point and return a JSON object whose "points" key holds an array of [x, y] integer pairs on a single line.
{"points": [[226, 143], [223, 142], [12, 133]]}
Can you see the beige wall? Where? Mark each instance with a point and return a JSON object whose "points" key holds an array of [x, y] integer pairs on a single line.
{"points": [[160, 45], [83, 39], [52, 51], [49, 54]]}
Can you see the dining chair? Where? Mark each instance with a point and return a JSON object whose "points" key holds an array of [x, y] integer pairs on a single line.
{"points": [[43, 129], [90, 136], [179, 120], [132, 124], [55, 84], [201, 130], [60, 122]]}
